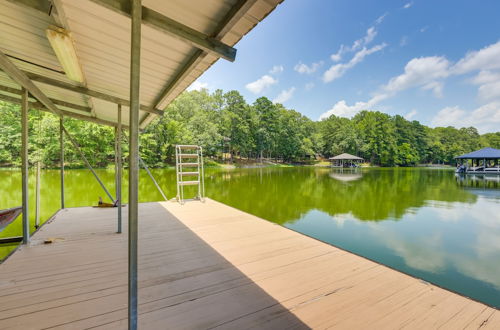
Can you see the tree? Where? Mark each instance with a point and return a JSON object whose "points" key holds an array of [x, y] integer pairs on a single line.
{"points": [[491, 140], [377, 134]]}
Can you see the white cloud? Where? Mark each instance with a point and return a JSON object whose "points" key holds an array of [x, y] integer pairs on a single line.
{"points": [[486, 77], [197, 86], [338, 55], [404, 41], [410, 114], [429, 73], [408, 5], [436, 87], [490, 91], [422, 71], [449, 116], [423, 29], [309, 86], [285, 95], [486, 118], [336, 71], [342, 109], [304, 68], [276, 69], [371, 33], [261, 84], [489, 85], [381, 18], [487, 58]]}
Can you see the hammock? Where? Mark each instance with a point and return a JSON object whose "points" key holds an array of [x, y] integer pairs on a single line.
{"points": [[9, 215]]}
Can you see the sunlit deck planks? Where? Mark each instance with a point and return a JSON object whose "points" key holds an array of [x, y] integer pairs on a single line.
{"points": [[207, 265]]}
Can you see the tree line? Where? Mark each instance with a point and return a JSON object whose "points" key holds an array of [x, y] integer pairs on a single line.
{"points": [[230, 128]]}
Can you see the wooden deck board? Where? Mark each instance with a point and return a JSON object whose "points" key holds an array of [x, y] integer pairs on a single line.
{"points": [[207, 265]]}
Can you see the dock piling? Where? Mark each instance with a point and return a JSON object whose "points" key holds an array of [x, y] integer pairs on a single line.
{"points": [[133, 196], [24, 166], [61, 149], [118, 167]]}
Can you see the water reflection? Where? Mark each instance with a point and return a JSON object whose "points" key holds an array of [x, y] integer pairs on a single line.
{"points": [[478, 181], [346, 175], [285, 195]]}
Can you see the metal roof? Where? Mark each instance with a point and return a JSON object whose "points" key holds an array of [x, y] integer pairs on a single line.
{"points": [[346, 156], [100, 30], [488, 153]]}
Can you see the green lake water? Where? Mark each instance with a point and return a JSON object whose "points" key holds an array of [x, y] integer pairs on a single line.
{"points": [[424, 222]]}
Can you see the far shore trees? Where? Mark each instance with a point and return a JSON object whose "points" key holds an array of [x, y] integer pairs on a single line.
{"points": [[225, 124]]}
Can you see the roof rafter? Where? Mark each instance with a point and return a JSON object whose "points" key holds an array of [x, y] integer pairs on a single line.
{"points": [[177, 30], [231, 18], [40, 5], [22, 79], [69, 114], [87, 91], [56, 102]]}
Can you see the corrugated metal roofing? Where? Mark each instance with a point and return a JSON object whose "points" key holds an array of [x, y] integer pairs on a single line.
{"points": [[487, 153], [102, 42]]}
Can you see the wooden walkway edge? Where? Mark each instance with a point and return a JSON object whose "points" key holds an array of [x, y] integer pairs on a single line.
{"points": [[207, 265]]}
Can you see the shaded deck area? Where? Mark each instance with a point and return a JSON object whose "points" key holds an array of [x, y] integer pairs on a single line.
{"points": [[207, 265]]}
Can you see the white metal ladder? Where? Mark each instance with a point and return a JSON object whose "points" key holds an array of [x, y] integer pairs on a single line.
{"points": [[189, 163]]}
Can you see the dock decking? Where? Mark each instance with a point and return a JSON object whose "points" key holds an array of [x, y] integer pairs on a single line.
{"points": [[207, 265]]}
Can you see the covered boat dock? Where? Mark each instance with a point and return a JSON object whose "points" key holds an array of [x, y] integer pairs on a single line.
{"points": [[483, 161], [346, 160]]}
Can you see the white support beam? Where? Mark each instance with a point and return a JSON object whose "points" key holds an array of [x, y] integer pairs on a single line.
{"points": [[22, 79], [40, 5], [233, 16], [69, 114], [177, 30], [59, 16], [72, 106], [89, 92]]}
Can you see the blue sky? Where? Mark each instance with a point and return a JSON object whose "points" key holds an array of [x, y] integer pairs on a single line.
{"points": [[437, 62]]}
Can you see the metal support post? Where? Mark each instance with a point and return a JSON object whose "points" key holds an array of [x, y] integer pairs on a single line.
{"points": [[133, 210], [24, 165], [118, 167], [37, 202], [61, 149]]}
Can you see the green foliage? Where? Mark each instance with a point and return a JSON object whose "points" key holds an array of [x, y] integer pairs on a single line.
{"points": [[491, 140], [394, 141], [224, 123]]}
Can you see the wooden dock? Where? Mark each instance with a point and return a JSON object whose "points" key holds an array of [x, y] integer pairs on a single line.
{"points": [[207, 265]]}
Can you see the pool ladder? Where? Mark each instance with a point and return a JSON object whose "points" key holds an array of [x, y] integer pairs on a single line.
{"points": [[189, 163]]}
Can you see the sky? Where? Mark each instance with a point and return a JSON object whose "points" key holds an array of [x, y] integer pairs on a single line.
{"points": [[437, 62]]}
